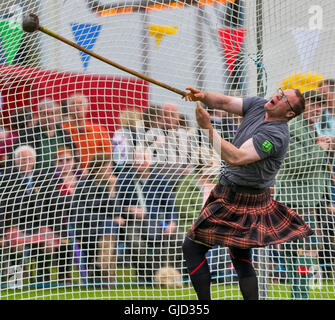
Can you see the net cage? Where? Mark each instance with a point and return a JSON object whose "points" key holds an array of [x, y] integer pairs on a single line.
{"points": [[103, 172]]}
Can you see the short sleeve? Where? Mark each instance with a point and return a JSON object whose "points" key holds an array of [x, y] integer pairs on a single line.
{"points": [[250, 102], [269, 143]]}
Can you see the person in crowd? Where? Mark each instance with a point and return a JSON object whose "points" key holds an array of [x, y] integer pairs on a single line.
{"points": [[155, 138], [326, 124], [90, 138], [25, 224], [7, 138], [303, 183], [126, 138], [46, 135], [56, 191], [194, 188], [152, 117], [173, 158], [148, 209], [94, 215]]}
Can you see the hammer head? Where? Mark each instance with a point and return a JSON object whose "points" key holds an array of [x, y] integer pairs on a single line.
{"points": [[30, 22]]}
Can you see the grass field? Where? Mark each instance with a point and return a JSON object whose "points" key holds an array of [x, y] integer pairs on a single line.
{"points": [[128, 289], [136, 292]]}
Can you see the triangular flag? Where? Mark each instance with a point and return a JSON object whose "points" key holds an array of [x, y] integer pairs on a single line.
{"points": [[10, 36], [161, 31], [85, 35], [231, 41], [306, 41]]}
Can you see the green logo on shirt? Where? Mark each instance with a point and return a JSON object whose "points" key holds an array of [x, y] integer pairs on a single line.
{"points": [[267, 146]]}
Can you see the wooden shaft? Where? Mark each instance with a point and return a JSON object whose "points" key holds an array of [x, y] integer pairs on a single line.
{"points": [[110, 62]]}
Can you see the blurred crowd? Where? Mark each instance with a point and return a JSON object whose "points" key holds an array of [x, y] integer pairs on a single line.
{"points": [[67, 184]]}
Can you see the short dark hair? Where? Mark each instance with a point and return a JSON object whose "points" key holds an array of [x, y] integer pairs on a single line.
{"points": [[313, 96], [330, 83], [299, 107]]}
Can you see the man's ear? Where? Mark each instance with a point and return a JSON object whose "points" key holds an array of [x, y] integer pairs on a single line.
{"points": [[290, 114]]}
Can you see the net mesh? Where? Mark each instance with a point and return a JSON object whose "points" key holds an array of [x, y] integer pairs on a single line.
{"points": [[102, 173]]}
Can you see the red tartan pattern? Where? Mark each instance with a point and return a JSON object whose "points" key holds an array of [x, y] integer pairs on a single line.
{"points": [[242, 220]]}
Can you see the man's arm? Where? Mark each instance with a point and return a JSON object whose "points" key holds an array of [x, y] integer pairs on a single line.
{"points": [[216, 100], [229, 153]]}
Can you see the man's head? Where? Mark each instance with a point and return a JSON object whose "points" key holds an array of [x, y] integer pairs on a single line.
{"points": [[327, 88], [64, 160], [25, 159], [153, 117], [285, 104], [48, 113], [171, 116], [314, 102], [78, 105]]}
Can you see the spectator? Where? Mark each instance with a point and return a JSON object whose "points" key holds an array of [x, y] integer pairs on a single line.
{"points": [[193, 189], [56, 193], [176, 146], [24, 223], [126, 138], [94, 216], [65, 111], [154, 135], [153, 117], [7, 138], [302, 183], [326, 124], [148, 207], [46, 135], [89, 138]]}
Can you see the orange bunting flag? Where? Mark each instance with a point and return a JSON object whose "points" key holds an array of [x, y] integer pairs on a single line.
{"points": [[231, 41]]}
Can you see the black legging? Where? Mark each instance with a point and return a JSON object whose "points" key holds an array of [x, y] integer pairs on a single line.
{"points": [[197, 266]]}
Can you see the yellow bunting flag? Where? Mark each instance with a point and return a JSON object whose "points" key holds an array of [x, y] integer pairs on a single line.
{"points": [[161, 31], [302, 81]]}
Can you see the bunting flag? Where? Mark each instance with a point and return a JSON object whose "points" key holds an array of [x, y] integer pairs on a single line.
{"points": [[159, 32], [231, 41], [302, 81], [85, 35], [306, 41], [10, 39]]}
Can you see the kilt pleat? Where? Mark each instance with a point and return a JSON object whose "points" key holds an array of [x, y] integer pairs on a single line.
{"points": [[245, 220]]}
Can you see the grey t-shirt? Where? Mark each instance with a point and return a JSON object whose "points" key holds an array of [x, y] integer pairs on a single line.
{"points": [[270, 140]]}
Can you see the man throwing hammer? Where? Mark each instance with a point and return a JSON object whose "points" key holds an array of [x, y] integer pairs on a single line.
{"points": [[240, 212]]}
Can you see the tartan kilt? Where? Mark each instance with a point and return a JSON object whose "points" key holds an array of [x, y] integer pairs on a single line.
{"points": [[246, 220]]}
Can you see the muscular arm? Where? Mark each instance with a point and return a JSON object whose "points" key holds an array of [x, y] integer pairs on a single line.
{"points": [[232, 155], [229, 153], [216, 100]]}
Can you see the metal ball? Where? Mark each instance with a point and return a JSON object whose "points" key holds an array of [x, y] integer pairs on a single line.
{"points": [[30, 22]]}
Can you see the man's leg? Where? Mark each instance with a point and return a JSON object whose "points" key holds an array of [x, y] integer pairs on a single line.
{"points": [[247, 278], [196, 263]]}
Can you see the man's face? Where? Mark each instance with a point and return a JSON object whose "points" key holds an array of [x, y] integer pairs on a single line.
{"points": [[313, 111], [25, 161], [78, 108], [280, 104], [64, 161], [329, 96], [171, 117], [49, 115]]}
